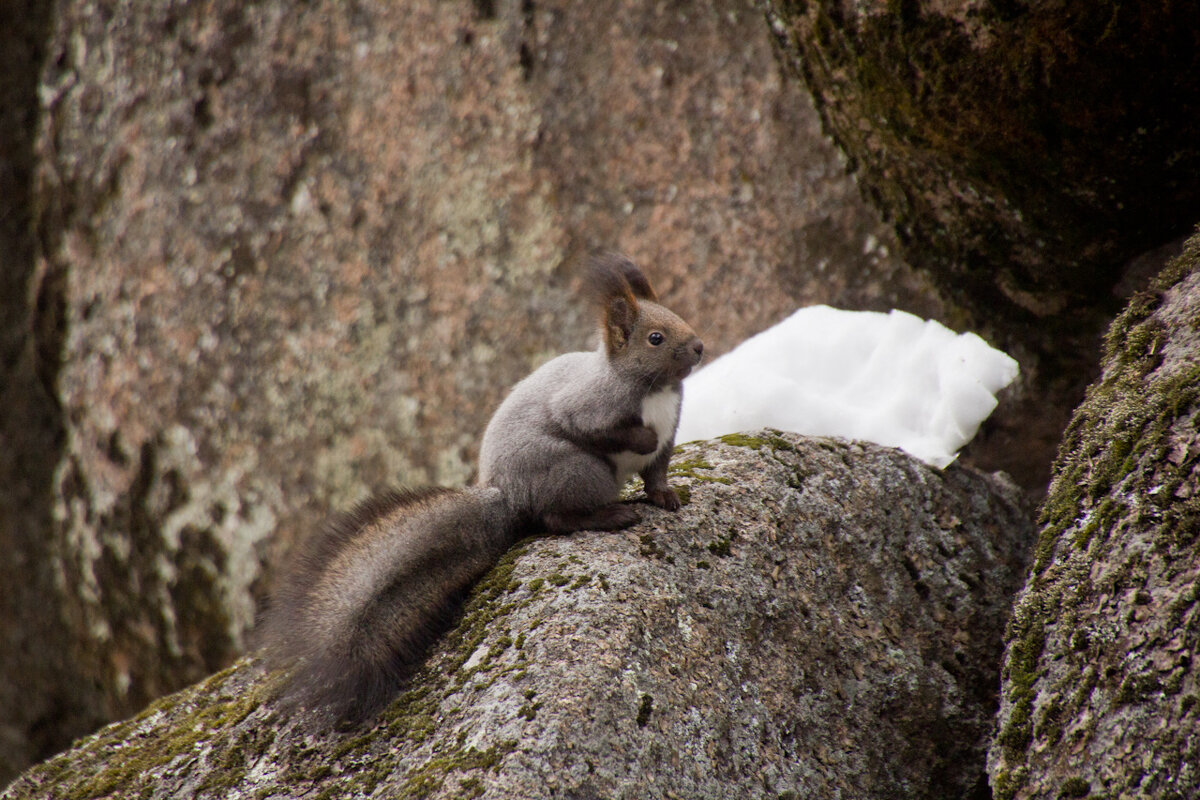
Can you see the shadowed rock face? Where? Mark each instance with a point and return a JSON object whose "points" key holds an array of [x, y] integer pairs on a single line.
{"points": [[820, 619], [1100, 696], [267, 256], [1023, 151]]}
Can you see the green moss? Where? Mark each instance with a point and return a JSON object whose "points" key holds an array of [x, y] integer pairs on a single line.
{"points": [[1113, 472], [1102, 521], [744, 440], [1049, 727], [771, 439], [1075, 787], [713, 479], [431, 776], [1118, 437], [502, 643], [1137, 688], [1139, 307], [1005, 785], [688, 469], [649, 547], [721, 547], [470, 788], [1174, 682], [121, 761], [1020, 672], [1143, 349], [688, 466]]}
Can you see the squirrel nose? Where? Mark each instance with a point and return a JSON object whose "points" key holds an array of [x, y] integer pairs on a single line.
{"points": [[698, 348]]}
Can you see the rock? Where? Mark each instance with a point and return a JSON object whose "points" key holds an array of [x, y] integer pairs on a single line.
{"points": [[1100, 696], [1023, 151], [821, 619], [269, 256]]}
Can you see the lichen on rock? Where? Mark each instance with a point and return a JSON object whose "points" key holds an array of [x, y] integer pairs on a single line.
{"points": [[1024, 151], [1099, 690], [324, 238]]}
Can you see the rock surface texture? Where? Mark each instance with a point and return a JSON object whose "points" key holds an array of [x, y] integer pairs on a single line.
{"points": [[1023, 151], [821, 619], [263, 257], [1100, 695]]}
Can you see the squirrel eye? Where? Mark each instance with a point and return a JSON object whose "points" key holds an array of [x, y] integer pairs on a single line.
{"points": [[657, 338]]}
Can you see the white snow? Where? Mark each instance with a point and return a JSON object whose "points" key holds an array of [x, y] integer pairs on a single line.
{"points": [[893, 379]]}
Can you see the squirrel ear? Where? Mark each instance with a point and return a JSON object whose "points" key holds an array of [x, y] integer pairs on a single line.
{"points": [[620, 315], [608, 274], [608, 281], [638, 283]]}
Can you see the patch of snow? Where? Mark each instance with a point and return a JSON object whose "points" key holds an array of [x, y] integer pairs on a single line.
{"points": [[893, 379]]}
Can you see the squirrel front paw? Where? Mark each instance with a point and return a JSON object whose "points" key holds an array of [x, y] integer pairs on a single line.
{"points": [[643, 440], [664, 498]]}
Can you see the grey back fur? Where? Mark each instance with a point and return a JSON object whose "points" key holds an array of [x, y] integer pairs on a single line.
{"points": [[534, 449]]}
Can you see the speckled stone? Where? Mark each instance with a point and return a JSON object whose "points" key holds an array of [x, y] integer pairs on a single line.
{"points": [[820, 619], [1100, 696]]}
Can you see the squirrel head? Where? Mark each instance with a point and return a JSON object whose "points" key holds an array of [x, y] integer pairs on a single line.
{"points": [[643, 339]]}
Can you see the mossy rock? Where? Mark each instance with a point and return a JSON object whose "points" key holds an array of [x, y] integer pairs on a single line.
{"points": [[841, 639], [1023, 151], [1098, 679]]}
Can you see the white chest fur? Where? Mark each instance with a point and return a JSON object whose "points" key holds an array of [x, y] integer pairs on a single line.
{"points": [[660, 411]]}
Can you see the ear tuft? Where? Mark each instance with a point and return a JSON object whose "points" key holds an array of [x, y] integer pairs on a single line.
{"points": [[606, 270], [607, 281], [637, 281]]}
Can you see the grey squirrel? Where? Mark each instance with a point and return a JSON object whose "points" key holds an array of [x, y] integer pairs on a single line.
{"points": [[363, 600]]}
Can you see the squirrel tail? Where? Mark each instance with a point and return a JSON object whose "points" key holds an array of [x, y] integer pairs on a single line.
{"points": [[362, 601]]}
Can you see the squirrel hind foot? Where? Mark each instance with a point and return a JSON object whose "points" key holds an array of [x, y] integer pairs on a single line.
{"points": [[606, 518], [664, 498]]}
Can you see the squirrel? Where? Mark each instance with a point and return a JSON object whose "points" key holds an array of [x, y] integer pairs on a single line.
{"points": [[361, 602]]}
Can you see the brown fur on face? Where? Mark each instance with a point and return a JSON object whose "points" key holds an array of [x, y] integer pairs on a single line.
{"points": [[643, 339]]}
